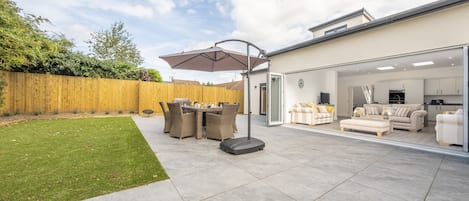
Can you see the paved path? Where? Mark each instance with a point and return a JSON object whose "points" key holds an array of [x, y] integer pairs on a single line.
{"points": [[296, 165]]}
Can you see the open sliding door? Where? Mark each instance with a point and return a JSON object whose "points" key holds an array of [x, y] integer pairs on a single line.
{"points": [[274, 99]]}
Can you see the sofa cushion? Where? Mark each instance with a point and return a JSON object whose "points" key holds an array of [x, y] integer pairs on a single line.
{"points": [[312, 106], [402, 112], [322, 109], [371, 110], [322, 115], [302, 109], [400, 119]]}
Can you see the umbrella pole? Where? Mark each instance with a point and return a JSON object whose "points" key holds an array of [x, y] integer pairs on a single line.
{"points": [[249, 92]]}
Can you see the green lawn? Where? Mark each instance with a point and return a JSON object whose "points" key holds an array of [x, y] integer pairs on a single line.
{"points": [[74, 159]]}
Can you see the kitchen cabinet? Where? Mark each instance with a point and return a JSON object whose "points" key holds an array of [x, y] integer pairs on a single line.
{"points": [[413, 90], [433, 110], [443, 86]]}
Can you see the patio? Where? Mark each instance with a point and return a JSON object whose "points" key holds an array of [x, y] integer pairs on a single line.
{"points": [[296, 165]]}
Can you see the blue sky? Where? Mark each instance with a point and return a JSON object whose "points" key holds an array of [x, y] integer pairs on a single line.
{"points": [[160, 27]]}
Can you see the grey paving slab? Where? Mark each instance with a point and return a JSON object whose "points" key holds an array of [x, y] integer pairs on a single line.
{"points": [[399, 184], [212, 181], [305, 183], [357, 192], [161, 191], [295, 165], [264, 165], [258, 191]]}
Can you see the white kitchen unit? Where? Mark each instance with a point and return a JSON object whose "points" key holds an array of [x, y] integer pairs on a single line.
{"points": [[433, 110], [444, 86], [413, 90]]}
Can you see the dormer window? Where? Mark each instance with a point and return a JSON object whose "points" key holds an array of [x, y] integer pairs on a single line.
{"points": [[336, 30]]}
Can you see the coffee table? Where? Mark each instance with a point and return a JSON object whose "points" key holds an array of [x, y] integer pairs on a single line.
{"points": [[368, 123]]}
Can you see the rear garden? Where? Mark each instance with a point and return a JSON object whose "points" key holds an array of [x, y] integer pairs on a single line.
{"points": [[74, 159]]}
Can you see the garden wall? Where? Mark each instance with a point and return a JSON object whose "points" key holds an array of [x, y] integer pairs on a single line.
{"points": [[29, 93]]}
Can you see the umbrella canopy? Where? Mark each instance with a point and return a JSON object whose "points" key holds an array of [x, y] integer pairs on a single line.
{"points": [[211, 59]]}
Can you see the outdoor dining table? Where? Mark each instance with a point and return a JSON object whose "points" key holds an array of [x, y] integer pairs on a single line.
{"points": [[198, 116]]}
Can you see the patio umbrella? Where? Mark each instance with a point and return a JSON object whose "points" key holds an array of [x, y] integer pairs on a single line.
{"points": [[219, 59]]}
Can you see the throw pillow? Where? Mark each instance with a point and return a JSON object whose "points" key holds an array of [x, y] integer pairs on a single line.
{"points": [[322, 109], [371, 110], [402, 112]]}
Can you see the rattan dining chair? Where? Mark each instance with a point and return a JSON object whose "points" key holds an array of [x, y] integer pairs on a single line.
{"points": [[220, 126], [182, 124], [167, 118]]}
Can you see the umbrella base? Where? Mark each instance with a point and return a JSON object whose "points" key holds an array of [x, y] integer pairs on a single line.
{"points": [[242, 145]]}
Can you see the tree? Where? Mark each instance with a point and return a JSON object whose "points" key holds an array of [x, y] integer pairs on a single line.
{"points": [[115, 44], [22, 43]]}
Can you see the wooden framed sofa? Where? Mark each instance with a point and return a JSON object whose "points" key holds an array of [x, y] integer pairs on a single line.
{"points": [[311, 114]]}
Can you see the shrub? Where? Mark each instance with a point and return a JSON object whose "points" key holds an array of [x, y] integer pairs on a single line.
{"points": [[75, 111], [120, 111], [37, 113], [93, 111], [132, 112], [6, 114], [106, 113], [55, 112]]}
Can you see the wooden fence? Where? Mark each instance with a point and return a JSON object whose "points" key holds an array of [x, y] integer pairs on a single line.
{"points": [[28, 93]]}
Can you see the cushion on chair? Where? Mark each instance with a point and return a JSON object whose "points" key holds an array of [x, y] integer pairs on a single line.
{"points": [[322, 115], [401, 112], [322, 109], [400, 119], [371, 110]]}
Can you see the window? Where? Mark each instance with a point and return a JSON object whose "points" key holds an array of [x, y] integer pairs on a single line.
{"points": [[335, 30]]}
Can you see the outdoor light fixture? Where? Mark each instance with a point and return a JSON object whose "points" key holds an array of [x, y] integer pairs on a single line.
{"points": [[385, 68], [424, 63]]}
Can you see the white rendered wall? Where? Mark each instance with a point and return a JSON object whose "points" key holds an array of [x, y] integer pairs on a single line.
{"points": [[256, 80], [315, 82]]}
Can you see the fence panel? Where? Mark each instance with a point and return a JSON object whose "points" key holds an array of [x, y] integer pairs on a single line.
{"points": [[28, 93]]}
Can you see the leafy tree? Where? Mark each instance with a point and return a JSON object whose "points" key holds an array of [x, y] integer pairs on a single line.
{"points": [[22, 43], [115, 44]]}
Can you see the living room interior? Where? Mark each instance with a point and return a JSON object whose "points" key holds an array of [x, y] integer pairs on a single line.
{"points": [[427, 84]]}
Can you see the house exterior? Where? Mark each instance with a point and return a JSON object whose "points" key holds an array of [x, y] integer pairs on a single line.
{"points": [[338, 58]]}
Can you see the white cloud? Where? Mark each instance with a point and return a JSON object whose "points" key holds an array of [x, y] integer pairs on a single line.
{"points": [[78, 32], [221, 8], [163, 6], [191, 11]]}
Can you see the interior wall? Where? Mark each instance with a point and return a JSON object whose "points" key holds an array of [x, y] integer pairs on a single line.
{"points": [[315, 82], [344, 83]]}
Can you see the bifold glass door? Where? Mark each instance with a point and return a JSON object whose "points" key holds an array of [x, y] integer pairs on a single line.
{"points": [[275, 99]]}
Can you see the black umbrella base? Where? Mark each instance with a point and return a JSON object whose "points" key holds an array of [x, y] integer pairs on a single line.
{"points": [[242, 145]]}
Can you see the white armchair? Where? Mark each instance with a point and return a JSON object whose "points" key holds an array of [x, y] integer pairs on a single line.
{"points": [[449, 128]]}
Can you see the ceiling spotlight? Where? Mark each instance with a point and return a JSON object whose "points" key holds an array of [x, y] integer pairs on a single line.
{"points": [[385, 68], [424, 63], [450, 57], [452, 64]]}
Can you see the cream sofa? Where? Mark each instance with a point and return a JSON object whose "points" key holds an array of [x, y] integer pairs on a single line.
{"points": [[412, 120], [449, 128], [311, 114]]}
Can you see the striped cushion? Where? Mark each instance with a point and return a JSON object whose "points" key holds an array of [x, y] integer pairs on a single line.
{"points": [[371, 110], [402, 112]]}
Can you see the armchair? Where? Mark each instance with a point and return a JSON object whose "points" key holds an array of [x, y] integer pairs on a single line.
{"points": [[449, 128], [182, 124]]}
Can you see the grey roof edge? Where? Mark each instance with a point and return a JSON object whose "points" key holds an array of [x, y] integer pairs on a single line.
{"points": [[255, 71], [353, 14], [414, 12]]}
